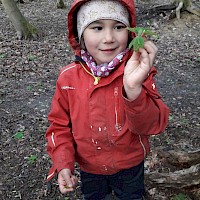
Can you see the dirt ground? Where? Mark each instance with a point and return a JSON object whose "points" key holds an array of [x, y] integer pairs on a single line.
{"points": [[28, 71]]}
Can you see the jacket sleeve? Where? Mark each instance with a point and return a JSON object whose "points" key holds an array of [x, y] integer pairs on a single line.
{"points": [[60, 141], [147, 115]]}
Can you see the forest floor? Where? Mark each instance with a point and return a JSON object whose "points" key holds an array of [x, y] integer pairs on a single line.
{"points": [[28, 72]]}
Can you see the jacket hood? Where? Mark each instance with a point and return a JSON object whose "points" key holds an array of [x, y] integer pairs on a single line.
{"points": [[72, 22]]}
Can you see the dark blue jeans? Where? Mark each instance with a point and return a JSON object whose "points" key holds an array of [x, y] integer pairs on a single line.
{"points": [[127, 184]]}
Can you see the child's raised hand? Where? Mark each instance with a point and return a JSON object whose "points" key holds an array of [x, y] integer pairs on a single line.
{"points": [[137, 69], [66, 181]]}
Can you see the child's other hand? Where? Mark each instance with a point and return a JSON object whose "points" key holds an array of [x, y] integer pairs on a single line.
{"points": [[66, 181], [137, 69]]}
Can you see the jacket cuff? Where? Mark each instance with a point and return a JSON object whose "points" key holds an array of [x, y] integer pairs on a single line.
{"points": [[56, 168], [61, 160], [137, 105]]}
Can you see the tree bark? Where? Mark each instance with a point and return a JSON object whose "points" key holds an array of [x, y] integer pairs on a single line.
{"points": [[60, 4], [181, 158], [23, 28], [187, 179], [177, 5], [181, 179]]}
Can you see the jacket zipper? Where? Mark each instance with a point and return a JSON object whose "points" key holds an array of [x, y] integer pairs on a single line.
{"points": [[118, 126], [96, 79], [142, 144]]}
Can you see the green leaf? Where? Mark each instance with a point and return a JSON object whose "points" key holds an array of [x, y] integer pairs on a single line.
{"points": [[29, 87], [140, 31], [19, 135], [2, 55], [180, 196], [32, 158], [170, 118], [131, 44], [137, 30], [31, 57], [131, 29], [138, 42]]}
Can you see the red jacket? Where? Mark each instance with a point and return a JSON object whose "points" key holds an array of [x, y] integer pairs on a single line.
{"points": [[94, 124]]}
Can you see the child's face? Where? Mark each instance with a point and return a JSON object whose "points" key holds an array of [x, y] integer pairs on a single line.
{"points": [[104, 39]]}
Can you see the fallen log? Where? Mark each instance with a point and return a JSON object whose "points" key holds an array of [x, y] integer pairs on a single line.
{"points": [[186, 179], [180, 158], [181, 179]]}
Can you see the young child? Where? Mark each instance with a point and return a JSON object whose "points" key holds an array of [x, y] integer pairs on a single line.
{"points": [[106, 104]]}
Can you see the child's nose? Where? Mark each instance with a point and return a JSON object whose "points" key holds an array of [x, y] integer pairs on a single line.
{"points": [[108, 36]]}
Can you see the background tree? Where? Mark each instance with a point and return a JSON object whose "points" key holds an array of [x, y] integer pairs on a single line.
{"points": [[175, 6], [22, 26], [60, 4], [188, 5]]}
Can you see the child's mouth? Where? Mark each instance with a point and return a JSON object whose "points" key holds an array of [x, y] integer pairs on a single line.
{"points": [[108, 50]]}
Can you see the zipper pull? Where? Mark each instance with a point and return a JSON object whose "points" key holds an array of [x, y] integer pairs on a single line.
{"points": [[96, 80]]}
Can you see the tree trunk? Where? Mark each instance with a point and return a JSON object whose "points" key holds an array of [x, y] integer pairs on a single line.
{"points": [[22, 26], [60, 4], [177, 5]]}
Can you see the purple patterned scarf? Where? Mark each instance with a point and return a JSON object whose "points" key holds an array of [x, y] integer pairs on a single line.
{"points": [[104, 69]]}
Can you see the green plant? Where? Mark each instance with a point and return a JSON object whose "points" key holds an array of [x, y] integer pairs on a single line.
{"points": [[29, 87], [180, 196], [19, 135], [31, 57], [171, 117], [32, 159], [2, 55], [138, 41]]}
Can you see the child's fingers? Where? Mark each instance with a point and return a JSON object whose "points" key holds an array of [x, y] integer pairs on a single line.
{"points": [[64, 188], [74, 180], [152, 50], [144, 58], [65, 181], [150, 47], [135, 56]]}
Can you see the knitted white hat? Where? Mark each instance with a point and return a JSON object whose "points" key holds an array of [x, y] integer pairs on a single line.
{"points": [[100, 9]]}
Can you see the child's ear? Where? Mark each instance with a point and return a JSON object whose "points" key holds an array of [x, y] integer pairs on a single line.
{"points": [[82, 44]]}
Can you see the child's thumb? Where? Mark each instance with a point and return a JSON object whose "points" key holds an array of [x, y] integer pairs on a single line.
{"points": [[135, 56], [133, 60]]}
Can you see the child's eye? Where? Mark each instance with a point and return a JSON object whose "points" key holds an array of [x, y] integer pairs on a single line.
{"points": [[119, 27], [97, 28]]}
